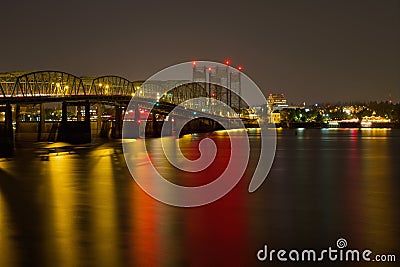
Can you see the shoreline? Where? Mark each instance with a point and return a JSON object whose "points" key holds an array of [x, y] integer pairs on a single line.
{"points": [[317, 125]]}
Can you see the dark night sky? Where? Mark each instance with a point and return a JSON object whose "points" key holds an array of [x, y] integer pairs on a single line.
{"points": [[312, 50]]}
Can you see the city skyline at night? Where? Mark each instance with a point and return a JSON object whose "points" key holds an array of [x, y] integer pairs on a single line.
{"points": [[313, 51], [199, 133]]}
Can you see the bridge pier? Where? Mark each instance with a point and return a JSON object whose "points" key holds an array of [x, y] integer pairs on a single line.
{"points": [[132, 127], [41, 127], [154, 127], [6, 132], [76, 132], [17, 119], [99, 110], [116, 131], [167, 127]]}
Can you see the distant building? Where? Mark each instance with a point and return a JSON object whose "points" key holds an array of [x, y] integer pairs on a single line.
{"points": [[276, 100], [275, 117]]}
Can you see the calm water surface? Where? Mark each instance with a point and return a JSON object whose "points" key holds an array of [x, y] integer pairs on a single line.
{"points": [[84, 209]]}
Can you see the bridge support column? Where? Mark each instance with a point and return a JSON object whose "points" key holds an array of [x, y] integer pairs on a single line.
{"points": [[119, 117], [132, 127], [17, 120], [155, 124], [154, 127], [41, 127], [167, 125], [64, 115], [137, 112], [6, 133], [76, 132], [99, 108]]}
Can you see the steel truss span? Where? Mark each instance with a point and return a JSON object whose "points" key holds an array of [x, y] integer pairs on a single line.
{"points": [[54, 86], [112, 85], [192, 90], [47, 83], [62, 84]]}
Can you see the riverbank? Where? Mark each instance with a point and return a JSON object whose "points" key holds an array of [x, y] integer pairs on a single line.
{"points": [[317, 125]]}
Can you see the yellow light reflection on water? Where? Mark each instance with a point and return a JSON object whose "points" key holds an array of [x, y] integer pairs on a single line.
{"points": [[6, 246], [62, 198], [104, 222], [378, 197]]}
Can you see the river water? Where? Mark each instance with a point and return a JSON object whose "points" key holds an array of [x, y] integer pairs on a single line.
{"points": [[84, 209]]}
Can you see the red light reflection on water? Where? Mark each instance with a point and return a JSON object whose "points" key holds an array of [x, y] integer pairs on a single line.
{"points": [[212, 234]]}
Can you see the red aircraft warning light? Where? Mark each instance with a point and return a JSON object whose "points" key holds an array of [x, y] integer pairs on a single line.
{"points": [[240, 68], [227, 62]]}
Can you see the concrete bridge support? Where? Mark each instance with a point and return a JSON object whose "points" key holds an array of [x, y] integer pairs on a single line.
{"points": [[99, 110], [116, 131], [154, 126], [41, 127], [75, 132], [6, 132], [132, 126], [17, 119]]}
